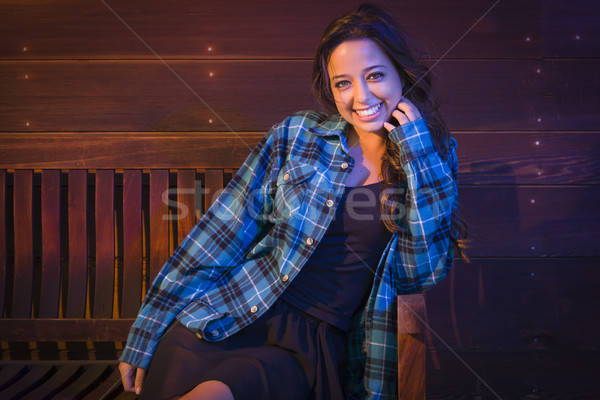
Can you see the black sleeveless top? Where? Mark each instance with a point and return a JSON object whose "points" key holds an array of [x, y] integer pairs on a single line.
{"points": [[336, 280]]}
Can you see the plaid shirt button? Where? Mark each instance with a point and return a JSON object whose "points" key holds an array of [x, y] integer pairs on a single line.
{"points": [[253, 309], [344, 165], [285, 278], [309, 241], [329, 203]]}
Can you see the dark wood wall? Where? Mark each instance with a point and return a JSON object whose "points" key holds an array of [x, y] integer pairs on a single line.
{"points": [[519, 81]]}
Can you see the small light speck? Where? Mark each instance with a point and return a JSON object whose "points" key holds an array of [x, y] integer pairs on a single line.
{"points": [[532, 274], [527, 39], [539, 173], [577, 37], [210, 74], [24, 48], [26, 123], [539, 120], [210, 49], [532, 201], [26, 76], [532, 247], [539, 70], [210, 121], [537, 142]]}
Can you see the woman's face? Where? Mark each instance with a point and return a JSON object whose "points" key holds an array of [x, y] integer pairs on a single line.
{"points": [[365, 84]]}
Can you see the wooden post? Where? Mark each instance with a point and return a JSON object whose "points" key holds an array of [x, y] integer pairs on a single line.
{"points": [[411, 347]]}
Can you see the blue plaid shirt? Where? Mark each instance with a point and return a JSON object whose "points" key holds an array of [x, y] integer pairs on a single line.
{"points": [[262, 229]]}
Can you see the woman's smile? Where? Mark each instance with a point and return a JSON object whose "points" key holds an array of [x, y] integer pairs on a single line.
{"points": [[368, 114]]}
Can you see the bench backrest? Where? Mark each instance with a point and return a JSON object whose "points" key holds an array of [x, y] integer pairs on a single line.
{"points": [[87, 220]]}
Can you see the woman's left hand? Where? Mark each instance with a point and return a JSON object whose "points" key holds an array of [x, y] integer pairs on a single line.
{"points": [[405, 112]]}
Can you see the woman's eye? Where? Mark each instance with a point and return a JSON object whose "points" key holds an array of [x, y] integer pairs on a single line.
{"points": [[375, 75], [341, 84]]}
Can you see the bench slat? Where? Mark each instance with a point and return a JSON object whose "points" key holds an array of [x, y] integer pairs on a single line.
{"points": [[3, 281], [132, 239], [213, 185], [186, 218], [159, 223], [10, 374], [35, 376], [23, 272], [108, 387], [51, 275], [93, 375], [64, 375], [64, 329], [77, 287], [105, 243]]}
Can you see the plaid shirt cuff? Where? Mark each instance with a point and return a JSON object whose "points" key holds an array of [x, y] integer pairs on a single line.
{"points": [[413, 139]]}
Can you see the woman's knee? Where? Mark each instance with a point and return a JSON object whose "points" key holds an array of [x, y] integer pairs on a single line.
{"points": [[209, 390]]}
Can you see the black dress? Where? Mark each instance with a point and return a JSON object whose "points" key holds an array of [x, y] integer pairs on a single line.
{"points": [[297, 349]]}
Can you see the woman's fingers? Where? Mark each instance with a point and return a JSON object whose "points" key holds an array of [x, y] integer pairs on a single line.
{"points": [[405, 112], [388, 126], [409, 109], [127, 376], [132, 377], [139, 380], [401, 117]]}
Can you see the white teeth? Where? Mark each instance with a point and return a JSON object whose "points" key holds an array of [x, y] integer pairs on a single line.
{"points": [[368, 111]]}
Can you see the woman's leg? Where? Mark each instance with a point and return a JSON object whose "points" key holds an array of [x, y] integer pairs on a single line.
{"points": [[209, 390], [176, 368]]}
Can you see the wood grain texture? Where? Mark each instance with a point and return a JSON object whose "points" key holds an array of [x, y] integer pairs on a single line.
{"points": [[86, 96], [186, 212], [261, 29], [78, 245], [159, 221], [464, 375], [532, 221], [3, 253], [60, 379], [126, 150], [516, 304], [525, 158], [213, 186], [89, 384], [411, 346], [570, 29], [34, 377], [51, 243], [132, 242], [23, 231], [411, 366], [105, 244], [496, 157], [65, 329]]}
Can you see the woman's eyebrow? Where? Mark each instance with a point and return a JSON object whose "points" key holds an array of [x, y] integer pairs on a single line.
{"points": [[365, 70]]}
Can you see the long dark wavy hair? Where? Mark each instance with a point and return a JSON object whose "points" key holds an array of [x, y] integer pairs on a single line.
{"points": [[370, 21]]}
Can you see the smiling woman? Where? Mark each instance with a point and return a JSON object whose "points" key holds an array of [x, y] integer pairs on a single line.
{"points": [[286, 287]]}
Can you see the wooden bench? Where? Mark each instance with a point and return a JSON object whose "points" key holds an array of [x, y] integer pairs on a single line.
{"points": [[86, 222]]}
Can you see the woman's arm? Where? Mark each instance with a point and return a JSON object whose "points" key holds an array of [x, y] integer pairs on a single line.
{"points": [[217, 243], [423, 252]]}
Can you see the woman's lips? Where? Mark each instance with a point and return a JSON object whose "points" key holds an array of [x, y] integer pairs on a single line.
{"points": [[366, 118]]}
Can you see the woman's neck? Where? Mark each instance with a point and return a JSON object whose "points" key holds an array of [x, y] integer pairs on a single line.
{"points": [[370, 142]]}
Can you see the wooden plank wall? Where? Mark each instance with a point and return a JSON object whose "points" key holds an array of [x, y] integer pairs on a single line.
{"points": [[519, 82]]}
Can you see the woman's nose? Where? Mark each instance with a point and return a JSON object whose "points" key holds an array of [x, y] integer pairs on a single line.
{"points": [[361, 92]]}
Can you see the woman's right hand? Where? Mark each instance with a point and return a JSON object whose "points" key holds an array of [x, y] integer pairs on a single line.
{"points": [[132, 377]]}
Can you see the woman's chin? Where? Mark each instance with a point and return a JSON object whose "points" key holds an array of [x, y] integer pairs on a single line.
{"points": [[371, 126]]}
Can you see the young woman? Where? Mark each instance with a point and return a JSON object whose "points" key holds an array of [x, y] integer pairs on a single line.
{"points": [[286, 287]]}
